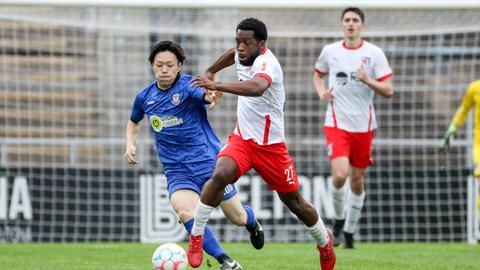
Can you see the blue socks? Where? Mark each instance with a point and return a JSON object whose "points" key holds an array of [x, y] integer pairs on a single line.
{"points": [[251, 221], [210, 243]]}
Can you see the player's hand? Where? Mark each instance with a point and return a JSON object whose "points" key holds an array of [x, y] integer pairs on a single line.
{"points": [[361, 75], [326, 95], [216, 96], [200, 81], [209, 75], [451, 131], [130, 154]]}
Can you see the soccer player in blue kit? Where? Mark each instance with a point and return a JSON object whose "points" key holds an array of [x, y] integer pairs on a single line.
{"points": [[186, 145]]}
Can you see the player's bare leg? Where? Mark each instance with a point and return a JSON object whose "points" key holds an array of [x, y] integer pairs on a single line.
{"points": [[309, 216], [212, 195], [237, 214]]}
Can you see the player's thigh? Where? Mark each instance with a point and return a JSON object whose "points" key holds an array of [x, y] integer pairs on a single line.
{"points": [[338, 143], [340, 168], [233, 210], [276, 167], [184, 201], [235, 155], [361, 150]]}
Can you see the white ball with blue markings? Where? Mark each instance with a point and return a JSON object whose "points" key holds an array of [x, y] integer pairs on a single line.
{"points": [[169, 256]]}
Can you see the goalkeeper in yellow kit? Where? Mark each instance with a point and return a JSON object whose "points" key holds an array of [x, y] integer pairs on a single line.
{"points": [[471, 99]]}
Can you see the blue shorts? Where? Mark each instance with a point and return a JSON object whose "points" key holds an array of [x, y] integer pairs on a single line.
{"points": [[178, 182]]}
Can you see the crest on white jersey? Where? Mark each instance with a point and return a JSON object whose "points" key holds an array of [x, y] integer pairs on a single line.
{"points": [[365, 60]]}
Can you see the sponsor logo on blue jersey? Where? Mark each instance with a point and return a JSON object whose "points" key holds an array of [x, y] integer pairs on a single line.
{"points": [[160, 122]]}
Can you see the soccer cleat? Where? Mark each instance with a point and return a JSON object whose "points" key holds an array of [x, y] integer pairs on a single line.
{"points": [[327, 253], [348, 237], [230, 264], [195, 251], [337, 231], [257, 237]]}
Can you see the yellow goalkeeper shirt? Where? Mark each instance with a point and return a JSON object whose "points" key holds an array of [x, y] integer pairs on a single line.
{"points": [[471, 98]]}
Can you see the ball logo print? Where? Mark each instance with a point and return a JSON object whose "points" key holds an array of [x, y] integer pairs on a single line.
{"points": [[169, 256]]}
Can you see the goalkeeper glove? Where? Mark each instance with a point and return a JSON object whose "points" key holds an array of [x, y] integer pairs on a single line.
{"points": [[451, 131]]}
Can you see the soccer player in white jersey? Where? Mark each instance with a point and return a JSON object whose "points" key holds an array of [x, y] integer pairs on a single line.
{"points": [[186, 145], [356, 70], [258, 140]]}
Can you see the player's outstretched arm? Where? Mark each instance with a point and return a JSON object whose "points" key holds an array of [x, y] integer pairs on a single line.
{"points": [[225, 60], [131, 136], [251, 88]]}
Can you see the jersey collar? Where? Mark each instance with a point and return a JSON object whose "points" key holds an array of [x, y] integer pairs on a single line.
{"points": [[355, 48]]}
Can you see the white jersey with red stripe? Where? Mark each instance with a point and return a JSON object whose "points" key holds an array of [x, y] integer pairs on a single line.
{"points": [[261, 118], [351, 108]]}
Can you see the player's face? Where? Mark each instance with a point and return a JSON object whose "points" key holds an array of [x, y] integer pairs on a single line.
{"points": [[166, 68], [248, 47], [352, 25]]}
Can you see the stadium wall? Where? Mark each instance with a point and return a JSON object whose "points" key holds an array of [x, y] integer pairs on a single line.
{"points": [[79, 205]]}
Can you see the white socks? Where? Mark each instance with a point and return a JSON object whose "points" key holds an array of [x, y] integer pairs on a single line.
{"points": [[201, 216], [319, 233], [354, 211], [338, 196]]}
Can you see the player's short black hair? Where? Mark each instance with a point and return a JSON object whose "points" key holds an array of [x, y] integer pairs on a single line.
{"points": [[354, 10], [170, 46], [253, 24]]}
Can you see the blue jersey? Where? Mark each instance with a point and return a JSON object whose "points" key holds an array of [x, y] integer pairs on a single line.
{"points": [[186, 143]]}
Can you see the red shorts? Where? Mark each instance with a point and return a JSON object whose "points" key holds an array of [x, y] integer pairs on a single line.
{"points": [[272, 162], [357, 146]]}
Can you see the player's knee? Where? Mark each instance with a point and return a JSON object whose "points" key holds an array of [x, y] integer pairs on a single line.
{"points": [[185, 214], [221, 178], [339, 176], [217, 184]]}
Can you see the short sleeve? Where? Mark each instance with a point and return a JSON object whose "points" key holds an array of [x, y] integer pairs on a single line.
{"points": [[382, 68], [265, 69], [197, 94], [321, 65], [138, 112]]}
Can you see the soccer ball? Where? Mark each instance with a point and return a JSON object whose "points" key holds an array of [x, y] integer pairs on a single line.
{"points": [[169, 256]]}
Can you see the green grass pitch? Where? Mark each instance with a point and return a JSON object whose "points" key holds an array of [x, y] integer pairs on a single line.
{"points": [[274, 256]]}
